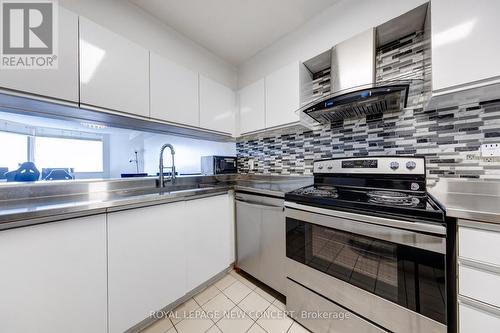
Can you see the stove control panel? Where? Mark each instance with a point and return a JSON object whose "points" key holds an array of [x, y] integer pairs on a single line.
{"points": [[372, 165]]}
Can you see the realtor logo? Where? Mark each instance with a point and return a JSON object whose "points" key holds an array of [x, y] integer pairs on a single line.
{"points": [[29, 38]]}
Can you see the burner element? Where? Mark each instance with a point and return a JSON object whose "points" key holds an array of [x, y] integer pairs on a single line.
{"points": [[320, 191], [393, 198]]}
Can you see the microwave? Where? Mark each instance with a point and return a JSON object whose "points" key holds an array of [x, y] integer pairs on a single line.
{"points": [[218, 165]]}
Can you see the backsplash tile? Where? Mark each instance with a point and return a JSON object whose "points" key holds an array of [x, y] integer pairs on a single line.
{"points": [[449, 138]]}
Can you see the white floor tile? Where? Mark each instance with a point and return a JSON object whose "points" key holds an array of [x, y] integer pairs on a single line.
{"points": [[237, 291], [194, 325], [280, 305], [206, 295], [256, 329], [214, 329], [225, 282], [235, 322], [183, 310], [218, 306], [265, 294], [243, 280], [161, 326], [254, 305], [274, 320], [296, 328]]}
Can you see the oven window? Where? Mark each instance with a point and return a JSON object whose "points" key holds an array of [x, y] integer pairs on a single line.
{"points": [[410, 277]]}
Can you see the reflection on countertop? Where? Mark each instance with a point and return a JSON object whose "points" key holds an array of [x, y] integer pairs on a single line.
{"points": [[30, 203], [469, 199]]}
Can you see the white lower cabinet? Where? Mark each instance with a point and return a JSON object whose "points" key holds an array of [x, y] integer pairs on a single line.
{"points": [[475, 320], [146, 258], [209, 238], [53, 277], [157, 254], [478, 277]]}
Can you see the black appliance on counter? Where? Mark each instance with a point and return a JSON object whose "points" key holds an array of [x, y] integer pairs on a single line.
{"points": [[218, 165], [366, 239]]}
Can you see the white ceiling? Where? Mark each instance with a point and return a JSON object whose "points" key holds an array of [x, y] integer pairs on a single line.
{"points": [[234, 29]]}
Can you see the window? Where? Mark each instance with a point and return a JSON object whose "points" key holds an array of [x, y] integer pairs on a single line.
{"points": [[13, 150], [82, 155]]}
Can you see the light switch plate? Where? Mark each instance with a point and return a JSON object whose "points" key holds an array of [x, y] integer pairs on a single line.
{"points": [[490, 150]]}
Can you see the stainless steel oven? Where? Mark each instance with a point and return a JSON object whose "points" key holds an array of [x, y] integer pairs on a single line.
{"points": [[389, 274]]}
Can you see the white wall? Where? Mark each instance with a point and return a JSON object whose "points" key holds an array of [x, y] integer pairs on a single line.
{"points": [[142, 28], [337, 23]]}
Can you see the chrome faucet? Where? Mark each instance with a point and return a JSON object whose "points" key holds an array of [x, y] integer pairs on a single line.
{"points": [[172, 152]]}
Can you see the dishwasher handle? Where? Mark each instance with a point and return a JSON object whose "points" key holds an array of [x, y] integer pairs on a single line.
{"points": [[260, 204]]}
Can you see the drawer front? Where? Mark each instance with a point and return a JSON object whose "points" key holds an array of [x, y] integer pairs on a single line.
{"points": [[303, 304], [473, 320], [480, 245], [479, 284]]}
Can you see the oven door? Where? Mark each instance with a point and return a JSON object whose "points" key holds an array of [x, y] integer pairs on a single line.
{"points": [[369, 266]]}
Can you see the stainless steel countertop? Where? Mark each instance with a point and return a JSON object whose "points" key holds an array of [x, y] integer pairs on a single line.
{"points": [[469, 199], [276, 188], [33, 203]]}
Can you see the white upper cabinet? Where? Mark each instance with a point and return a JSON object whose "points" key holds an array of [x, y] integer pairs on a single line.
{"points": [[217, 106], [114, 72], [283, 96], [60, 83], [174, 92], [252, 109], [56, 273], [465, 44]]}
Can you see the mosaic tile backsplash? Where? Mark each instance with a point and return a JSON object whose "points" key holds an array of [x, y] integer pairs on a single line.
{"points": [[449, 138]]}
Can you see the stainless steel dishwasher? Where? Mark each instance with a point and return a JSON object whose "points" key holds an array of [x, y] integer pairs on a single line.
{"points": [[260, 238]]}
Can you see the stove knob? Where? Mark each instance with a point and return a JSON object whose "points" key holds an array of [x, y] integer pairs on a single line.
{"points": [[394, 165], [320, 167], [411, 165], [330, 167]]}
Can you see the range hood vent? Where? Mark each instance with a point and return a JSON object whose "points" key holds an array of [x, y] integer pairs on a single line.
{"points": [[358, 102], [358, 85]]}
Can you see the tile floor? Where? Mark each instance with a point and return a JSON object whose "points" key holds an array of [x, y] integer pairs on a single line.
{"points": [[234, 304]]}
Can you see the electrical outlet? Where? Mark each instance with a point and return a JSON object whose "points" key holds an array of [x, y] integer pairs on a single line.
{"points": [[490, 150]]}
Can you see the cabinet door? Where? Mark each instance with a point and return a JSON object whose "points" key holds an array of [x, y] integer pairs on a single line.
{"points": [[53, 277], [248, 236], [465, 42], [209, 236], [217, 105], [283, 96], [272, 257], [174, 92], [252, 107], [146, 259], [63, 80], [114, 72]]}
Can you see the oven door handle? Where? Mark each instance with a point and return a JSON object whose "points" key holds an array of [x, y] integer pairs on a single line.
{"points": [[424, 241]]}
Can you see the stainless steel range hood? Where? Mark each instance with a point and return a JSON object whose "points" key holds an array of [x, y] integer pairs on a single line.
{"points": [[359, 102], [354, 92]]}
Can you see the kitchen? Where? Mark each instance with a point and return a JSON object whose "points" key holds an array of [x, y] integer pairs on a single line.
{"points": [[270, 166]]}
